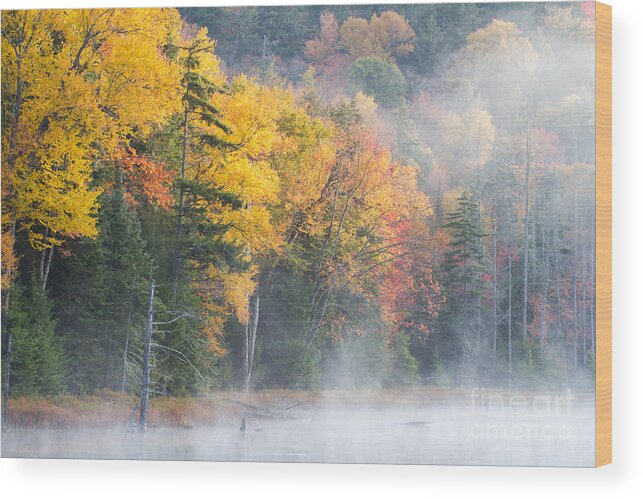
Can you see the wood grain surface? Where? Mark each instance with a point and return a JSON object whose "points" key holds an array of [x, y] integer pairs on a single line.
{"points": [[603, 234]]}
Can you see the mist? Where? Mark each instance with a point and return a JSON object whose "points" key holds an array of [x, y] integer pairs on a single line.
{"points": [[476, 428], [352, 234]]}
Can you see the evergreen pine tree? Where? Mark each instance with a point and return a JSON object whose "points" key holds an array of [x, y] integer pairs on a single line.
{"points": [[196, 238], [38, 364], [464, 269], [101, 290]]}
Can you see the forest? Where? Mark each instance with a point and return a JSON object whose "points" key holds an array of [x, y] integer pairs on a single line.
{"points": [[303, 198]]}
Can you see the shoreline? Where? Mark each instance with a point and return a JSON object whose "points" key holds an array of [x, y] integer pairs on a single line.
{"points": [[108, 409]]}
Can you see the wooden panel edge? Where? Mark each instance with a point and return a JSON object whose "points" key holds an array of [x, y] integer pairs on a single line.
{"points": [[603, 234]]}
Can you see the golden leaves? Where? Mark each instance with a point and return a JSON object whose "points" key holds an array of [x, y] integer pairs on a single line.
{"points": [[83, 82], [79, 82], [9, 260], [385, 36]]}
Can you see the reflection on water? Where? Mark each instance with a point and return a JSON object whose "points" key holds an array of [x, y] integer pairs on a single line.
{"points": [[512, 433]]}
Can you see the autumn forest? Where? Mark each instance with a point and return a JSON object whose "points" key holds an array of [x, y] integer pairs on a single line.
{"points": [[304, 198]]}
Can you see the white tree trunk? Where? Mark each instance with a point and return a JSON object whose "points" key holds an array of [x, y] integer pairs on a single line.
{"points": [[146, 359]]}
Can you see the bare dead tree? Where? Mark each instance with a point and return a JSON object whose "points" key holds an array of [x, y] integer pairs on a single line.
{"points": [[250, 339], [525, 273], [146, 358]]}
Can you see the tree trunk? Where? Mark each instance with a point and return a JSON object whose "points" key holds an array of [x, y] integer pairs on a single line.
{"points": [[319, 317], [127, 331], [146, 358], [47, 267], [478, 332], [575, 283], [545, 288], [583, 279], [494, 266], [509, 320], [125, 352], [250, 340], [253, 336], [559, 302], [525, 275], [41, 267], [543, 324], [45, 263], [246, 356]]}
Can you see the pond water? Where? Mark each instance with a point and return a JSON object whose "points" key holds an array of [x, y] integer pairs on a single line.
{"points": [[510, 432]]}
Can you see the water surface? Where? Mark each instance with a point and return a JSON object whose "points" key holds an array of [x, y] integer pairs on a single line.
{"points": [[509, 432]]}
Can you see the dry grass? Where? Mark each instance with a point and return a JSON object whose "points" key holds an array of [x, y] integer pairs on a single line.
{"points": [[103, 409], [108, 409], [112, 409], [40, 413]]}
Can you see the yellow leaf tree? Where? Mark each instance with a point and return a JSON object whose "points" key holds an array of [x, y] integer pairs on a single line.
{"points": [[388, 35], [75, 84]]}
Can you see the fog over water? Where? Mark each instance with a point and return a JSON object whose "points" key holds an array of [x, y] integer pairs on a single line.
{"points": [[479, 429]]}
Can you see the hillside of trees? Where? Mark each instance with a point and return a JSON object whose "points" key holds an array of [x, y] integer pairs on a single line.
{"points": [[325, 197]]}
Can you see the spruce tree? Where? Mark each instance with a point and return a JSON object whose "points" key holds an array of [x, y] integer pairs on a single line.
{"points": [[196, 238], [39, 364], [100, 290], [464, 270], [465, 258], [125, 267]]}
